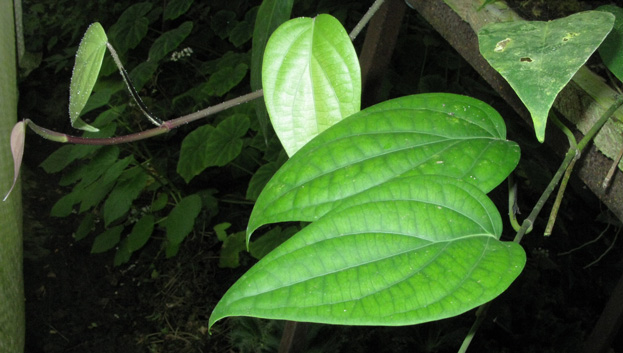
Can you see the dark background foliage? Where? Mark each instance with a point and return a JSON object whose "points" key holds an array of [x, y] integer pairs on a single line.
{"points": [[151, 302]]}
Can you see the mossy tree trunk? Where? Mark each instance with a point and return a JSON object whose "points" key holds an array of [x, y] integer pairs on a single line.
{"points": [[11, 282]]}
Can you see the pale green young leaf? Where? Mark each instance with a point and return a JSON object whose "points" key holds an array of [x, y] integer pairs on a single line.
{"points": [[86, 70], [412, 250], [107, 240], [169, 41], [539, 58], [426, 134], [270, 15], [311, 78], [611, 50]]}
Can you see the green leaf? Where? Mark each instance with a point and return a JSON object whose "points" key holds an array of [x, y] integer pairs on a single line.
{"points": [[426, 134], [142, 73], [90, 172], [224, 80], [181, 220], [270, 15], [176, 8], [85, 227], [122, 255], [260, 178], [539, 58], [208, 146], [160, 202], [271, 240], [241, 33], [107, 240], [311, 78], [612, 47], [169, 41], [129, 186], [223, 22], [131, 27], [233, 245], [221, 230], [413, 250], [140, 233], [192, 153], [86, 70]]}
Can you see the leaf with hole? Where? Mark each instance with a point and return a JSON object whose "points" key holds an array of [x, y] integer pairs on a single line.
{"points": [[539, 58], [86, 70], [311, 79]]}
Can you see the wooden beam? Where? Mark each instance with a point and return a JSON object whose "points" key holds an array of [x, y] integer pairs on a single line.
{"points": [[581, 102]]}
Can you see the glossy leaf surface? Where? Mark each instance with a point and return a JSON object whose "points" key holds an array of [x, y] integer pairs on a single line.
{"points": [[416, 249], [434, 134], [402, 230], [270, 15], [539, 58], [86, 70], [311, 79]]}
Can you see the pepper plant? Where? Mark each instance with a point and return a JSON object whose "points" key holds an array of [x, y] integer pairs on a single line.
{"points": [[401, 230]]}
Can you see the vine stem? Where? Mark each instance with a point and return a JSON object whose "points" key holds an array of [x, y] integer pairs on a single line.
{"points": [[166, 126], [163, 128], [572, 154], [365, 19]]}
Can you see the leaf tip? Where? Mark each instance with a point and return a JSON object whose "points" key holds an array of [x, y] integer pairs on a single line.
{"points": [[18, 136]]}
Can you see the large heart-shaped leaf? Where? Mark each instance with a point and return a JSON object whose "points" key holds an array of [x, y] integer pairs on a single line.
{"points": [[311, 78], [426, 134], [412, 250], [539, 58], [402, 230], [86, 70]]}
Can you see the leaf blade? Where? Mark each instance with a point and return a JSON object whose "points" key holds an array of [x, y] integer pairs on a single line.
{"points": [[539, 58], [311, 78], [427, 134], [369, 264], [86, 70]]}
